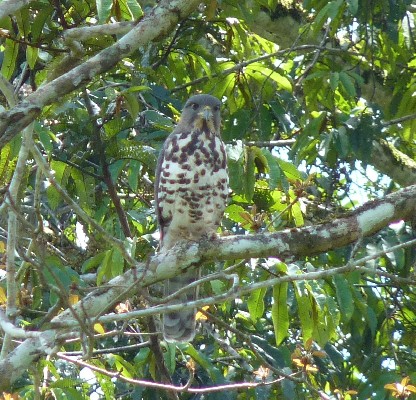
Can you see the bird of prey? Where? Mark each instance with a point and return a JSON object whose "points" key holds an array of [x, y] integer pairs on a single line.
{"points": [[191, 190]]}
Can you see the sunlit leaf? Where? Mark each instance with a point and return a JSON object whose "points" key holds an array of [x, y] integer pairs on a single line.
{"points": [[280, 312], [9, 58], [255, 304]]}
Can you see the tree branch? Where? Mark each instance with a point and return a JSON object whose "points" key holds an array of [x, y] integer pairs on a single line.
{"points": [[290, 243], [159, 22], [156, 385], [393, 163], [8, 7], [238, 291], [12, 233]]}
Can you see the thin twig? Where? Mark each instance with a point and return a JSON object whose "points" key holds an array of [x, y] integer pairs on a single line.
{"points": [[314, 60], [271, 143], [118, 375], [156, 385], [109, 350], [399, 120]]}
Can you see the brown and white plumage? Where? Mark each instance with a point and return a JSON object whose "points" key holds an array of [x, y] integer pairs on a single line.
{"points": [[191, 193]]}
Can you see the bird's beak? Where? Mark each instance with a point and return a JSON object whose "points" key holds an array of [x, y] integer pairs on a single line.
{"points": [[206, 113]]}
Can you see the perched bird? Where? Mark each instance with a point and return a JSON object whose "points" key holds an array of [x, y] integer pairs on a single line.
{"points": [[191, 192]]}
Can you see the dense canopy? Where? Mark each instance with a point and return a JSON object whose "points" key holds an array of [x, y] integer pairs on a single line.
{"points": [[309, 291]]}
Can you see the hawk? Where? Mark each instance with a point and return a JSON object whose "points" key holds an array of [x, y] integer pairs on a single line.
{"points": [[191, 190]]}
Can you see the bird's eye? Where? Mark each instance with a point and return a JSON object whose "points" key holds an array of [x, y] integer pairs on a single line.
{"points": [[216, 108], [195, 106]]}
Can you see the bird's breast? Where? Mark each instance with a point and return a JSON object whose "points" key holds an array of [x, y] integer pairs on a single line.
{"points": [[193, 185]]}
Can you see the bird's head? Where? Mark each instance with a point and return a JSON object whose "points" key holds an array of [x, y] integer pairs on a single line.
{"points": [[202, 112]]}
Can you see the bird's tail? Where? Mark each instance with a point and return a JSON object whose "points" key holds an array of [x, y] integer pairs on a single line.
{"points": [[179, 326]]}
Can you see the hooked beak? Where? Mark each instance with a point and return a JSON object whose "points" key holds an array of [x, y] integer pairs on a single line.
{"points": [[206, 113]]}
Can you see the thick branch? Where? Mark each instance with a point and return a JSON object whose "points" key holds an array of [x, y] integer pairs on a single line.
{"points": [[8, 7], [156, 24], [290, 243], [293, 243], [20, 359], [392, 162], [364, 221]]}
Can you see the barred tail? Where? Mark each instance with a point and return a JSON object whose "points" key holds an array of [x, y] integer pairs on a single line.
{"points": [[179, 326]]}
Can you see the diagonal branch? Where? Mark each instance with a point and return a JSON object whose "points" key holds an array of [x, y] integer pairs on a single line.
{"points": [[287, 244], [293, 243], [8, 7], [158, 23]]}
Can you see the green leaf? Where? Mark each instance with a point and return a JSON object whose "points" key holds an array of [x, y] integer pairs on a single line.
{"points": [[353, 6], [344, 297], [233, 212], [236, 172], [32, 56], [122, 365], [141, 359], [9, 58], [331, 10], [295, 211], [205, 363], [132, 104], [371, 318], [5, 160], [290, 171], [218, 287], [261, 73], [274, 355], [348, 84], [275, 172], [170, 357], [280, 313], [305, 304], [341, 142], [93, 262], [250, 177], [117, 263], [134, 174], [334, 80], [54, 272], [306, 144], [39, 21], [46, 137], [260, 159], [159, 120], [255, 304], [23, 21], [85, 185], [104, 10], [53, 196], [125, 148], [104, 270], [62, 172], [135, 9]]}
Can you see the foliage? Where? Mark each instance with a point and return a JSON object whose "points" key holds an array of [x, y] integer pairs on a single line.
{"points": [[299, 119]]}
